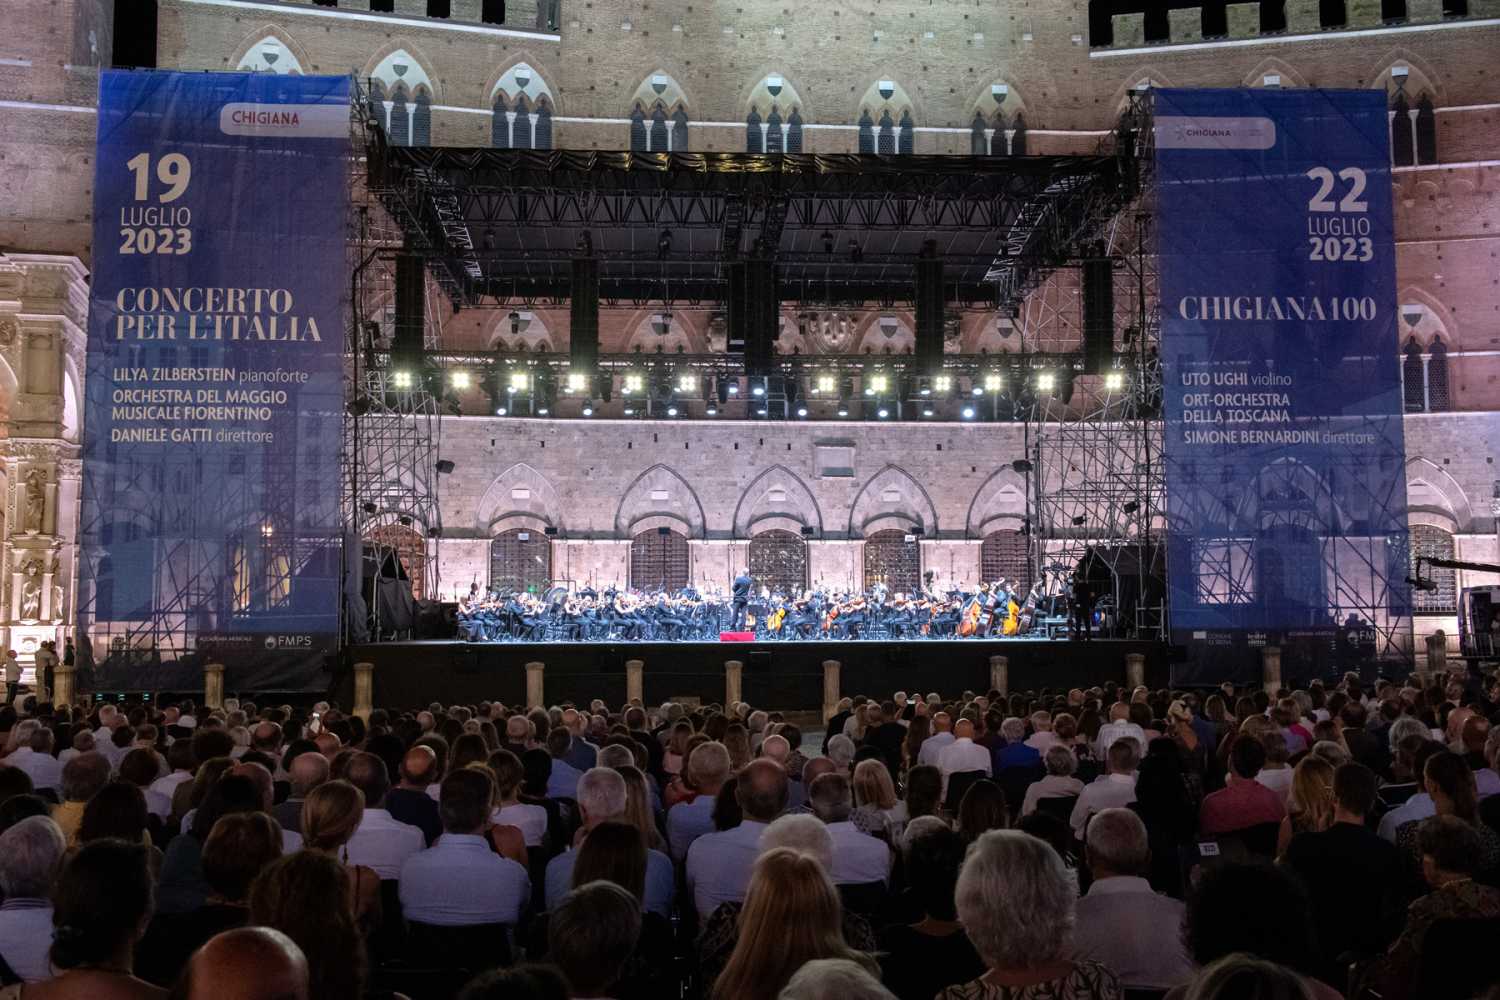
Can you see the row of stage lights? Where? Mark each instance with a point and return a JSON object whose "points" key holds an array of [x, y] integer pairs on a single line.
{"points": [[675, 389]]}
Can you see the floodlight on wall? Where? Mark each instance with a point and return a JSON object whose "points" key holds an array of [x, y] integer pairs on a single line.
{"points": [[401, 379], [460, 379], [445, 466], [577, 382], [1114, 381], [519, 382]]}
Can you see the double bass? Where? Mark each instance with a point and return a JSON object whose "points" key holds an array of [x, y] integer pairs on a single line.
{"points": [[969, 617]]}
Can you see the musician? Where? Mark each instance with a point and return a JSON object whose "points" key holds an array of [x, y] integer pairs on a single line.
{"points": [[1084, 598], [740, 590]]}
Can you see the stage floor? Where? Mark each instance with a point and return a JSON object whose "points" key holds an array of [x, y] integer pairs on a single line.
{"points": [[778, 675]]}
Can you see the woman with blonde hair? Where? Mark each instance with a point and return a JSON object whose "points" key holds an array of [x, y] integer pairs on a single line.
{"points": [[1310, 804], [638, 806], [877, 811], [330, 815], [792, 916]]}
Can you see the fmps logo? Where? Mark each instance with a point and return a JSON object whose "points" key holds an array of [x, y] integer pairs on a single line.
{"points": [[288, 642]]}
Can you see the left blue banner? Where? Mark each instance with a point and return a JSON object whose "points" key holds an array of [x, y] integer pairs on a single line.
{"points": [[214, 386]]}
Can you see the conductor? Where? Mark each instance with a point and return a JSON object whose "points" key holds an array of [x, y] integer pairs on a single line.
{"points": [[740, 591]]}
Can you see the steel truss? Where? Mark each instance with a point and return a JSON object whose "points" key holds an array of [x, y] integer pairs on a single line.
{"points": [[1097, 476]]}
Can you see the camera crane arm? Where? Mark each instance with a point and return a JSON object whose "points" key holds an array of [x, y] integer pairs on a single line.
{"points": [[1421, 584]]}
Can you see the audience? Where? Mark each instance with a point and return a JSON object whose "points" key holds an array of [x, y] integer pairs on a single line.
{"points": [[1110, 790], [100, 906], [253, 963], [858, 858], [1244, 802], [305, 896], [719, 864], [30, 853], [592, 934], [920, 959]]}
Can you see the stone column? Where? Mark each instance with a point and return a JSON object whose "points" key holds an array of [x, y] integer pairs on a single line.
{"points": [[733, 682], [535, 690], [62, 685], [831, 688], [1186, 24], [1000, 675], [1437, 655], [1130, 30], [634, 670], [213, 686], [1135, 670], [364, 689], [1244, 19], [1270, 669]]}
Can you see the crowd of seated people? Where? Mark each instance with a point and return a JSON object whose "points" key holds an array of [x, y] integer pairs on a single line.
{"points": [[1341, 840]]}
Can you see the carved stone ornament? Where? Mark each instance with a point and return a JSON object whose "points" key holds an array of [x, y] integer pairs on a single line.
{"points": [[9, 330]]}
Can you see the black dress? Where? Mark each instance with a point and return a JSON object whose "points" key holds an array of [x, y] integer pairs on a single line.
{"points": [[918, 966]]}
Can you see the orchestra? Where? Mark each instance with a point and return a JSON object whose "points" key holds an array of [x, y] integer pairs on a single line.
{"points": [[1000, 609]]}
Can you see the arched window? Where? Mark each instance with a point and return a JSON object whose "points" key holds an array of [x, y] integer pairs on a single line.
{"points": [[375, 101], [1003, 555], [1413, 378], [1437, 377], [658, 142], [1426, 131], [886, 140], [659, 560], [978, 144], [866, 133], [408, 548], [775, 141], [680, 131], [1018, 136], [1434, 543], [638, 130], [904, 140], [421, 120], [541, 130], [894, 558], [1403, 147], [754, 139], [778, 561], [400, 118], [521, 559], [520, 132], [500, 122], [794, 132]]}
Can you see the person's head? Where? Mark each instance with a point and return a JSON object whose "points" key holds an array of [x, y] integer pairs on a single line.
{"points": [[330, 815], [792, 915], [308, 771], [834, 979], [1015, 901], [1245, 977], [1116, 844], [247, 963], [118, 810], [873, 786], [592, 934], [708, 767], [306, 896], [509, 774], [1247, 757], [1354, 791], [982, 808], [800, 832], [464, 801], [1060, 761], [100, 904], [1124, 755], [30, 852], [614, 852], [841, 751], [367, 773], [935, 851], [601, 796], [1250, 906], [762, 790], [522, 982], [1450, 849], [1312, 792], [84, 776], [419, 767], [924, 790], [963, 729], [831, 798], [1449, 781], [238, 848], [1274, 741]]}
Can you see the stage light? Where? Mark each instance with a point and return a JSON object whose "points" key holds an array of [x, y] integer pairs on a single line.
{"points": [[631, 384], [401, 380], [927, 411], [801, 411], [588, 411], [712, 410], [460, 380], [515, 322], [757, 390], [943, 384], [267, 530], [687, 382], [671, 411], [843, 412], [1021, 466], [761, 412], [1130, 506], [630, 411], [1114, 381], [968, 413], [519, 381], [541, 411], [500, 411], [734, 387], [1046, 382], [1078, 521], [577, 381], [664, 244], [993, 383], [883, 413], [879, 382], [826, 384]]}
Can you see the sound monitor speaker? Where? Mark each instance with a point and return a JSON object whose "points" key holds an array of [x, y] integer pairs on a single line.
{"points": [[930, 304], [735, 307], [754, 312], [583, 315], [411, 309], [1098, 314]]}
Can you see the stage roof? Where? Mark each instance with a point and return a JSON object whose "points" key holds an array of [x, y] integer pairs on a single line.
{"points": [[505, 224]]}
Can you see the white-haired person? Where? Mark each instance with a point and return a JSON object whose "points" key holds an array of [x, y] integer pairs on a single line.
{"points": [[1058, 783], [834, 979], [30, 855], [602, 797], [1016, 905]]}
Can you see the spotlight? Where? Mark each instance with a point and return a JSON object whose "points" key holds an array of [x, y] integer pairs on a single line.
{"points": [[631, 384], [401, 380], [879, 382], [757, 390], [687, 382], [993, 383], [588, 411], [519, 381], [368, 507], [1046, 382], [1114, 381], [943, 384], [1021, 466], [826, 384], [541, 411], [671, 411], [734, 387], [460, 380], [843, 411], [712, 410], [926, 411], [924, 391], [500, 411], [577, 381], [630, 411], [515, 322], [882, 413], [664, 244], [760, 412], [1078, 521], [801, 411], [968, 413], [403, 519], [1130, 506], [976, 391]]}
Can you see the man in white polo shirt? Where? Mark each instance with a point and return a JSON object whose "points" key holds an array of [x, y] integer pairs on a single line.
{"points": [[381, 842]]}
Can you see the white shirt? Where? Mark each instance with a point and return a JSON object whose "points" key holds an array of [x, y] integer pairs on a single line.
{"points": [[1112, 731], [1053, 786], [1486, 781], [858, 858], [459, 882], [932, 748], [383, 844], [168, 786], [719, 864], [1042, 741], [44, 770], [687, 821], [1419, 806], [961, 755], [26, 937], [1121, 923], [530, 820], [157, 804], [1107, 791], [1278, 780]]}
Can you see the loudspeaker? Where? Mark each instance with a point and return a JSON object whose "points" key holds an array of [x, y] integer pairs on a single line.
{"points": [[583, 315], [1098, 314], [737, 320], [929, 347], [754, 312], [411, 309]]}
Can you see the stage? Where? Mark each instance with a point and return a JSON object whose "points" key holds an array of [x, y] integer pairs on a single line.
{"points": [[776, 675]]}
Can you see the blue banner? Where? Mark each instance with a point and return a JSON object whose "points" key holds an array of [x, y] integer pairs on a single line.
{"points": [[214, 387], [1285, 485]]}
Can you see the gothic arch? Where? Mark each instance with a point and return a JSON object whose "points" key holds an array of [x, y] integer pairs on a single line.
{"points": [[661, 332], [270, 49], [1271, 65], [1147, 77], [1422, 316], [531, 332], [766, 91], [660, 88], [659, 492], [509, 81], [892, 498], [72, 410], [758, 505], [520, 494], [885, 333], [893, 98], [1432, 491], [1421, 76], [1301, 494], [403, 63], [999, 502]]}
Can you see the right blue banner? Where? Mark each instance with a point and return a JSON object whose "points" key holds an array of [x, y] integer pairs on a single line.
{"points": [[1285, 486]]}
